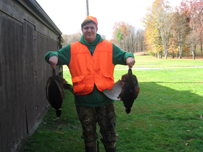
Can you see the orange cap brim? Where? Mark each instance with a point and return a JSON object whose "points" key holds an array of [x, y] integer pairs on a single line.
{"points": [[92, 18]]}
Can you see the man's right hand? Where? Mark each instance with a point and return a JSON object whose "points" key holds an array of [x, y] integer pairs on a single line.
{"points": [[53, 61]]}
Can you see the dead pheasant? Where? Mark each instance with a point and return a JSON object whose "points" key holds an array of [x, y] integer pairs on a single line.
{"points": [[55, 92], [130, 90]]}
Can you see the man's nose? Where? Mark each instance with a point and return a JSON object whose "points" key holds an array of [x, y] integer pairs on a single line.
{"points": [[88, 29]]}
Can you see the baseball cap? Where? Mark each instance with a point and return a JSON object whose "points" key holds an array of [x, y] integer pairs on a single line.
{"points": [[92, 18]]}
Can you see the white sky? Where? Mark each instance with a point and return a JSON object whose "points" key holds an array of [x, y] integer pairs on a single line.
{"points": [[69, 14]]}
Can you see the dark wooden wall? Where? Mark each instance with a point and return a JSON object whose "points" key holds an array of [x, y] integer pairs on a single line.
{"points": [[23, 72]]}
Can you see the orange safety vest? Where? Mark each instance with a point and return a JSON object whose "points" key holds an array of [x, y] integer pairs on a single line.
{"points": [[87, 70]]}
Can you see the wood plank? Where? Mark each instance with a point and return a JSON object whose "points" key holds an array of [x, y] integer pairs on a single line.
{"points": [[20, 119], [24, 72], [29, 68], [8, 82], [3, 118]]}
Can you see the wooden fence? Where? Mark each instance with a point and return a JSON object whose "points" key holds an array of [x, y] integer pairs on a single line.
{"points": [[26, 34]]}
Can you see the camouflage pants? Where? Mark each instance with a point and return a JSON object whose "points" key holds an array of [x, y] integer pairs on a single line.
{"points": [[106, 118]]}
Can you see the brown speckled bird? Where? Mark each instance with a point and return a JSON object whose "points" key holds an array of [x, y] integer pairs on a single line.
{"points": [[130, 90], [55, 92]]}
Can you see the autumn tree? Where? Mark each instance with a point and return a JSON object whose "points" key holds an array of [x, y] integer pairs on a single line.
{"points": [[139, 39], [120, 31], [153, 38], [195, 13], [129, 42], [123, 27], [179, 28], [163, 18], [71, 38], [127, 38], [173, 49]]}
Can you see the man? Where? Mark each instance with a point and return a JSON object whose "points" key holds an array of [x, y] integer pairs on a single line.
{"points": [[91, 62]]}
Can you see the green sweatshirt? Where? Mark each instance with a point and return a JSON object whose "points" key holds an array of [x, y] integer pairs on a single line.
{"points": [[95, 98]]}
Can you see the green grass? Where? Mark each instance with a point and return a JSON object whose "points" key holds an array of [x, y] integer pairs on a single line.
{"points": [[164, 117], [151, 62]]}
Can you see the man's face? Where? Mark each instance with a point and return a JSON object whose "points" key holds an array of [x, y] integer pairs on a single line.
{"points": [[89, 31]]}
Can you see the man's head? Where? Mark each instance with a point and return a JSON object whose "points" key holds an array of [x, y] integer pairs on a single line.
{"points": [[89, 28], [89, 19]]}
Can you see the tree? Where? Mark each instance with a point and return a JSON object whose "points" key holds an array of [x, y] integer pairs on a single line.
{"points": [[127, 37], [152, 24], [121, 30], [179, 28], [163, 15], [71, 38], [119, 35], [140, 41], [173, 49], [195, 13]]}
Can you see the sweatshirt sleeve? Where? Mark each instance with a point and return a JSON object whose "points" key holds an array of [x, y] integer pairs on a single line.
{"points": [[63, 55], [119, 56]]}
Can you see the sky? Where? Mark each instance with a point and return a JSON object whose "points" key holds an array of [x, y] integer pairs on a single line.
{"points": [[69, 14]]}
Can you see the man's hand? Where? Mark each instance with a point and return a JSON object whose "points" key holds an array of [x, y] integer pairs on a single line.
{"points": [[53, 61], [130, 61]]}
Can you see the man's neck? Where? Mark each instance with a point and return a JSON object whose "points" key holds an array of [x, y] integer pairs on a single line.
{"points": [[90, 41]]}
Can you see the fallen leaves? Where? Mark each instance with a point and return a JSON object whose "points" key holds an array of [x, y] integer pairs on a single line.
{"points": [[60, 132]]}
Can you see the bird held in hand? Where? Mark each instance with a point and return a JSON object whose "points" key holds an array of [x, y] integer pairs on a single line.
{"points": [[130, 90], [55, 91]]}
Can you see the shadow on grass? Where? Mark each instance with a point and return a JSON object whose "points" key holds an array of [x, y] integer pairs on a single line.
{"points": [[162, 119]]}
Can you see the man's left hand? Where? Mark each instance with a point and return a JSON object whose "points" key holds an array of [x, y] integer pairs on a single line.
{"points": [[130, 61]]}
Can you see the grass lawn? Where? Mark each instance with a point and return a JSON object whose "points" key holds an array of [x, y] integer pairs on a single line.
{"points": [[166, 116]]}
